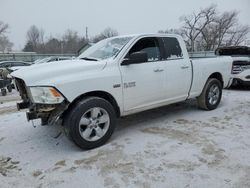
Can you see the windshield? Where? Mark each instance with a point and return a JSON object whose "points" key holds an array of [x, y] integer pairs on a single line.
{"points": [[105, 49]]}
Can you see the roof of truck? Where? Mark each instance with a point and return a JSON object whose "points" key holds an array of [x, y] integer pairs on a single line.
{"points": [[147, 34]]}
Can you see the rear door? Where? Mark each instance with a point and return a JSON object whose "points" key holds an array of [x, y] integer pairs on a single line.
{"points": [[178, 70]]}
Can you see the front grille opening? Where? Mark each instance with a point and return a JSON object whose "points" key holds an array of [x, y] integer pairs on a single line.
{"points": [[239, 66]]}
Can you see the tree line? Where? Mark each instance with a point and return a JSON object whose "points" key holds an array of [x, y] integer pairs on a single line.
{"points": [[202, 30], [70, 42]]}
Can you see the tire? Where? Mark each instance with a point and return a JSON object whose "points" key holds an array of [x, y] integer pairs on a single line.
{"points": [[211, 95], [235, 83], [90, 123], [4, 92], [9, 87], [44, 121]]}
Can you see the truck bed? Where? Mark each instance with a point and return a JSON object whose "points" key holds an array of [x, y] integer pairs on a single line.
{"points": [[202, 67]]}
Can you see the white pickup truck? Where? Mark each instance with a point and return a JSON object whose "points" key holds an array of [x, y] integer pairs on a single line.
{"points": [[117, 77]]}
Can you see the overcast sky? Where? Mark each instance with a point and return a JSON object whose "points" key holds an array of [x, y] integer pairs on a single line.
{"points": [[126, 16]]}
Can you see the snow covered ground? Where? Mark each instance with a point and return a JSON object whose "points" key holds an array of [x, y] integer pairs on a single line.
{"points": [[174, 146]]}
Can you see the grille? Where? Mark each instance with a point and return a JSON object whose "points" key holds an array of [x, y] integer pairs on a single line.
{"points": [[239, 66]]}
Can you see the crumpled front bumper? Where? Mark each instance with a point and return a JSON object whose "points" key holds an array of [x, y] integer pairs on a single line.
{"points": [[48, 113]]}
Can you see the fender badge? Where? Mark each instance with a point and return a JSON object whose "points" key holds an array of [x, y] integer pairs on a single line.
{"points": [[116, 85]]}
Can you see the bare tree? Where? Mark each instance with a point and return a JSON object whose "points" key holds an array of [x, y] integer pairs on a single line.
{"points": [[224, 23], [28, 47], [5, 44], [171, 31], [208, 29], [106, 33], [109, 32], [208, 38], [225, 30], [33, 36], [3, 28], [53, 45], [237, 35], [195, 23], [41, 36], [71, 42], [35, 40]]}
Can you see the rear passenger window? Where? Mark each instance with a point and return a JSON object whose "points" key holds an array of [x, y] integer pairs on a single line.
{"points": [[150, 46], [172, 48]]}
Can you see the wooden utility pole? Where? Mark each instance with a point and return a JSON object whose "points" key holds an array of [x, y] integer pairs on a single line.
{"points": [[87, 37]]}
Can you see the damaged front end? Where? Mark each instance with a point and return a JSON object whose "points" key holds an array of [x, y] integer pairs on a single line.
{"points": [[43, 102]]}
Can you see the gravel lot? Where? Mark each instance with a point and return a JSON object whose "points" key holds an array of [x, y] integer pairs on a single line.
{"points": [[174, 146]]}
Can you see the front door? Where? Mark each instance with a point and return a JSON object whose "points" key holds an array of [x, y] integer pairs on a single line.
{"points": [[143, 83]]}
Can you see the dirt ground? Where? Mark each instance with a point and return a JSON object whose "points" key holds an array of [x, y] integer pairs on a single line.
{"points": [[174, 146]]}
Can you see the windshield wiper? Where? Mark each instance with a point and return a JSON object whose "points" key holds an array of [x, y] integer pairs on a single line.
{"points": [[89, 59]]}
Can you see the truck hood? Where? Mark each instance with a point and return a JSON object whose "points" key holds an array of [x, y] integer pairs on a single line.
{"points": [[54, 72]]}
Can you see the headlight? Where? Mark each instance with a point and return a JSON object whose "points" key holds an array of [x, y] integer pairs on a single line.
{"points": [[45, 95]]}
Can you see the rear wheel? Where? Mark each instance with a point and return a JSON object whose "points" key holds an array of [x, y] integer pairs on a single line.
{"points": [[211, 95], [91, 122], [3, 91]]}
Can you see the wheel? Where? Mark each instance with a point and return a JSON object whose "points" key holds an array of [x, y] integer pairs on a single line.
{"points": [[211, 95], [3, 91], [90, 123], [44, 121], [9, 87], [235, 83]]}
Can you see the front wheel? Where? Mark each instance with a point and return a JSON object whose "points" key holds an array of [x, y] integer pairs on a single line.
{"points": [[9, 87], [211, 95], [91, 122]]}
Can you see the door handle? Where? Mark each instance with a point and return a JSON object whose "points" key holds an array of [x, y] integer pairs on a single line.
{"points": [[158, 70], [185, 67]]}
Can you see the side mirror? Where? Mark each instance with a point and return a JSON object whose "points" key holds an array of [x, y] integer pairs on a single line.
{"points": [[135, 58]]}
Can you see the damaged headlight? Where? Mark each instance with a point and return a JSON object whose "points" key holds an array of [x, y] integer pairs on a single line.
{"points": [[46, 95]]}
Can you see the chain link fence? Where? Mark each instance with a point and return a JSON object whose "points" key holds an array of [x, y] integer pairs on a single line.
{"points": [[29, 56]]}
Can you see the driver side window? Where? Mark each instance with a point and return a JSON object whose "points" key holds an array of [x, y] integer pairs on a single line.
{"points": [[148, 45]]}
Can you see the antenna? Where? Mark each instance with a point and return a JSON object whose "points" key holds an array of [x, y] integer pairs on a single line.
{"points": [[87, 37]]}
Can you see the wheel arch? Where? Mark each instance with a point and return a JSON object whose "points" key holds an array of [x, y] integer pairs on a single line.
{"points": [[218, 76], [102, 94]]}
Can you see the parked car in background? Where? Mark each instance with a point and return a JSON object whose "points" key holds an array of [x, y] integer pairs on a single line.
{"points": [[51, 59], [241, 63], [5, 81], [13, 65]]}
